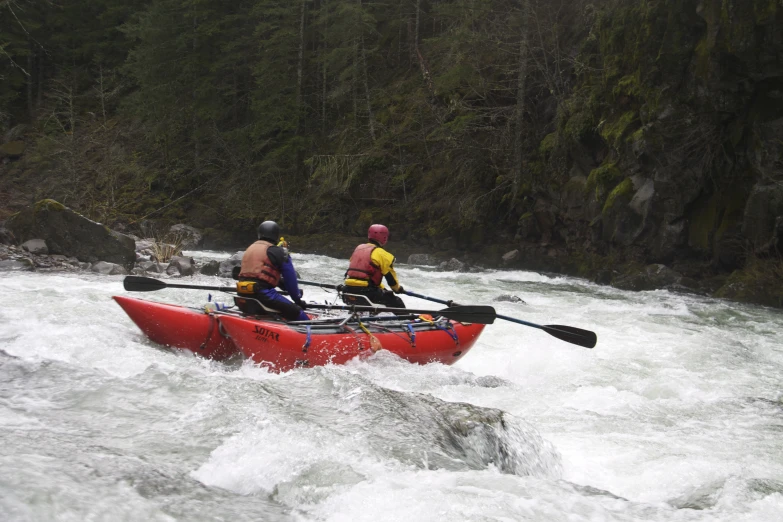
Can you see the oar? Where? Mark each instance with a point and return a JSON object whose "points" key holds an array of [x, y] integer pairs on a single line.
{"points": [[463, 314], [322, 285], [148, 284], [568, 334]]}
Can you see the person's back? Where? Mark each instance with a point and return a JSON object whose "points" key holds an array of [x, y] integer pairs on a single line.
{"points": [[264, 267], [370, 263]]}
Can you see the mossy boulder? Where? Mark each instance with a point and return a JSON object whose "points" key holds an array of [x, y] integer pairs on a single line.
{"points": [[759, 282], [71, 234], [651, 277], [623, 222], [12, 149]]}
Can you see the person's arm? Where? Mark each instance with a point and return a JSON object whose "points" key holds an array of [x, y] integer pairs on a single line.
{"points": [[290, 283], [385, 262], [280, 258]]}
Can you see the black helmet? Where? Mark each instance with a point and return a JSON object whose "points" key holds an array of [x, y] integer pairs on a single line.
{"points": [[269, 230]]}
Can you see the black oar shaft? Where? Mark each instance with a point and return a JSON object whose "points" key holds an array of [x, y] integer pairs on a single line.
{"points": [[568, 334], [465, 314], [322, 285], [519, 321], [197, 287]]}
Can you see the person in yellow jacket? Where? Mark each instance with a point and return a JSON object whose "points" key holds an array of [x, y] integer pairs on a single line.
{"points": [[368, 266]]}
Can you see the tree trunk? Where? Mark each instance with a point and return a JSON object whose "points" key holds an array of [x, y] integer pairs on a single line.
{"points": [[102, 92], [519, 111], [370, 117], [30, 106], [416, 29], [299, 67], [195, 134], [324, 79], [39, 95], [363, 56]]}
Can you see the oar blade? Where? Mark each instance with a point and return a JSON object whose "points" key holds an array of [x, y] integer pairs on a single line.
{"points": [[142, 284], [572, 335], [470, 314]]}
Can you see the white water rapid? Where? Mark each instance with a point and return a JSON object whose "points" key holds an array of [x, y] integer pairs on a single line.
{"points": [[675, 415]]}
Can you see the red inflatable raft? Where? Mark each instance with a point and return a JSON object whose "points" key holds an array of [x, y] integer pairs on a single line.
{"points": [[180, 327], [282, 346]]}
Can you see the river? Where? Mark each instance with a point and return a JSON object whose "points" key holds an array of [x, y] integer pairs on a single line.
{"points": [[677, 414]]}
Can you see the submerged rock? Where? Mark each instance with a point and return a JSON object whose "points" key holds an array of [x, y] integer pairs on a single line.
{"points": [[105, 268], [17, 264], [453, 265], [421, 259], [152, 266], [210, 268], [227, 266], [509, 299], [179, 265]]}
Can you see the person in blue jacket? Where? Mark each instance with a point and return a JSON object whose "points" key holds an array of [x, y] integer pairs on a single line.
{"points": [[265, 266]]}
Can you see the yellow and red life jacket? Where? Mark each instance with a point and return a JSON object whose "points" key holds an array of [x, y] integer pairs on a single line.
{"points": [[256, 264], [360, 266]]}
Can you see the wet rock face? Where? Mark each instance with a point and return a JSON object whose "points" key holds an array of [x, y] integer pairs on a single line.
{"points": [[68, 233], [763, 213], [6, 237]]}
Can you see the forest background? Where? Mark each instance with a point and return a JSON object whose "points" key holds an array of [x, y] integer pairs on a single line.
{"points": [[601, 138]]}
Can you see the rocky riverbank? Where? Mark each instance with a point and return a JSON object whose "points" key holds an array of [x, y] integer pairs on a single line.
{"points": [[49, 236], [760, 281]]}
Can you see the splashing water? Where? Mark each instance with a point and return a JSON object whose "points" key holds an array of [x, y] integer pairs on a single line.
{"points": [[675, 415]]}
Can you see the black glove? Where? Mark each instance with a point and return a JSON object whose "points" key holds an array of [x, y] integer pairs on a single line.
{"points": [[301, 293], [400, 290], [301, 304]]}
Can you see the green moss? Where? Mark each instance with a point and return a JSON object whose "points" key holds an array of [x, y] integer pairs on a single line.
{"points": [[759, 282], [12, 149], [712, 216], [603, 177], [629, 85], [49, 204], [612, 132], [703, 53], [622, 190], [547, 144], [734, 211]]}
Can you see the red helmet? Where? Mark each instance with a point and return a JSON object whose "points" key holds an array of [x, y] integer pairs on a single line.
{"points": [[378, 233]]}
